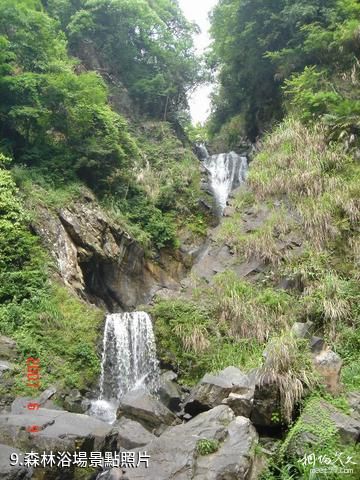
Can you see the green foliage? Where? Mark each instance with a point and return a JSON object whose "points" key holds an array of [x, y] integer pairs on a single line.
{"points": [[225, 324], [38, 314], [288, 364], [189, 338], [35, 41], [163, 197], [147, 45], [44, 326], [206, 447], [319, 426], [21, 260], [310, 46]]}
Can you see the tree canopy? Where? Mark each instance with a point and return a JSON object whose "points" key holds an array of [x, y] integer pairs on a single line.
{"points": [[259, 45], [147, 44]]}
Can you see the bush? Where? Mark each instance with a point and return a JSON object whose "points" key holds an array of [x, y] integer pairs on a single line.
{"points": [[206, 447]]}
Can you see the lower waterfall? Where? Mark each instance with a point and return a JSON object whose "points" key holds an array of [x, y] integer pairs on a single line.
{"points": [[128, 361], [226, 171]]}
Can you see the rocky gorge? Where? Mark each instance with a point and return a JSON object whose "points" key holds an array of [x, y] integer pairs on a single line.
{"points": [[179, 300], [227, 426]]}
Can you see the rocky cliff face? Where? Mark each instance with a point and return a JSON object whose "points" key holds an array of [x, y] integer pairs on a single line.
{"points": [[100, 261]]}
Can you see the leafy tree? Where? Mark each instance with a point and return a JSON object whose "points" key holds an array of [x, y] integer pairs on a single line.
{"points": [[50, 116], [259, 44], [147, 44]]}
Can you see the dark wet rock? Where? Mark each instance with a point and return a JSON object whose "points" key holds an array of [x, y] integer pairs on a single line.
{"points": [[170, 392], [266, 405], [348, 427], [145, 408], [241, 404], [354, 403], [59, 430], [329, 364], [174, 455], [75, 402], [16, 472], [292, 283], [129, 434], [213, 389], [317, 345]]}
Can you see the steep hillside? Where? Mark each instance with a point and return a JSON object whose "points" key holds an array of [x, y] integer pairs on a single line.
{"points": [[106, 209], [95, 181]]}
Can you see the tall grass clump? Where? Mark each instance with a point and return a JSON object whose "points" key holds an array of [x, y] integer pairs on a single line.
{"points": [[288, 364], [246, 311]]}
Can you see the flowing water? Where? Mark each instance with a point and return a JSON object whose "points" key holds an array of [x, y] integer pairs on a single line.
{"points": [[226, 171], [128, 361]]}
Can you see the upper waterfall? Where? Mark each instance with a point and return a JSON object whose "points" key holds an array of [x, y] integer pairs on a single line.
{"points": [[226, 171], [128, 360]]}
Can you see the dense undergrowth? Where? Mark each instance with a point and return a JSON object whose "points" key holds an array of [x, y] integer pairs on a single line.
{"points": [[38, 313], [59, 127]]}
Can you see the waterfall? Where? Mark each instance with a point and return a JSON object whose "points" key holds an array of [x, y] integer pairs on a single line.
{"points": [[226, 171], [202, 151], [128, 361]]}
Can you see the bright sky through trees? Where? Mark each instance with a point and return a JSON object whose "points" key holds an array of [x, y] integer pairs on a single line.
{"points": [[198, 12]]}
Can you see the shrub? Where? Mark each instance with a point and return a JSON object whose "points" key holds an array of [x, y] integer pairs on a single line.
{"points": [[206, 447]]}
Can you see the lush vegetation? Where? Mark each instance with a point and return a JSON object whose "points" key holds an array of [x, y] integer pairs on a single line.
{"points": [[62, 126], [58, 126], [228, 323], [307, 49], [93, 93], [146, 45], [290, 461], [291, 69], [38, 313]]}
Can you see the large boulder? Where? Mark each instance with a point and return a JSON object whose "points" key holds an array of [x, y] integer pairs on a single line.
{"points": [[59, 430], [328, 364], [99, 260], [241, 403], [170, 392], [129, 434], [266, 405], [317, 424], [213, 389], [16, 472], [74, 402], [354, 403], [143, 407], [177, 454]]}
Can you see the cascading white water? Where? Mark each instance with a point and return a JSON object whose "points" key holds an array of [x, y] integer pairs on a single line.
{"points": [[227, 171], [128, 361]]}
